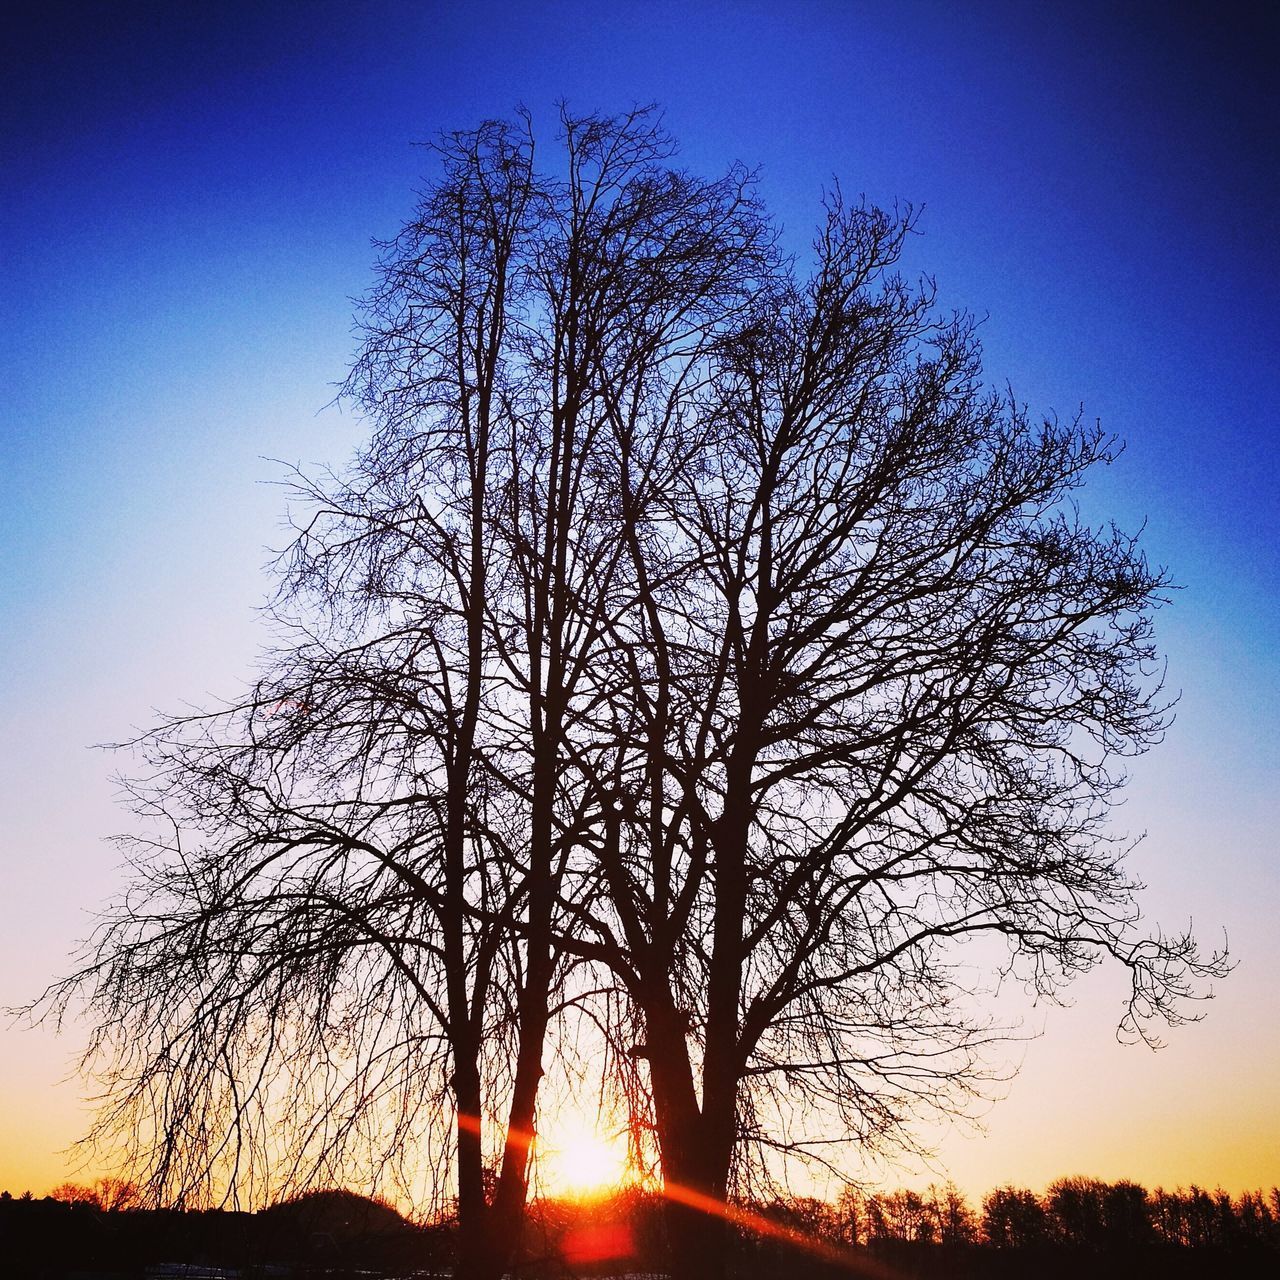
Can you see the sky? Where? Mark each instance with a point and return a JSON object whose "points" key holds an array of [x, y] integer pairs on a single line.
{"points": [[188, 201]]}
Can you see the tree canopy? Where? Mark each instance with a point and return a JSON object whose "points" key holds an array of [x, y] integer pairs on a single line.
{"points": [[698, 653]]}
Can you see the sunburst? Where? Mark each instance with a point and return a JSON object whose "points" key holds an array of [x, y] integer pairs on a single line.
{"points": [[577, 1160]]}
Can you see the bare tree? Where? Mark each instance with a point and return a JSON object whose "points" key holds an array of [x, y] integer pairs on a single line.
{"points": [[357, 923], [871, 702], [697, 647], [111, 1195]]}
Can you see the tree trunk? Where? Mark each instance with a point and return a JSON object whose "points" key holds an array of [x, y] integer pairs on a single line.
{"points": [[697, 1143], [695, 1177], [698, 1236], [472, 1209], [696, 1150], [505, 1221]]}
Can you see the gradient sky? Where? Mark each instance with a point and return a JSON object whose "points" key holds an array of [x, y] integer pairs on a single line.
{"points": [[188, 198]]}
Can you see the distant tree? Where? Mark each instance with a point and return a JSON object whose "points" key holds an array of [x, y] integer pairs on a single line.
{"points": [[118, 1193], [108, 1194], [1092, 1214], [1259, 1225], [1230, 1230], [1195, 1219], [74, 1193], [1126, 1215], [341, 1215], [850, 1216], [873, 1220], [902, 1216], [803, 1217], [939, 1216], [1167, 1217], [1202, 1219], [956, 1222], [1076, 1212], [1014, 1218]]}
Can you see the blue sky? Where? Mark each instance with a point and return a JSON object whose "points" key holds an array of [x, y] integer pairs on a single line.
{"points": [[188, 202]]}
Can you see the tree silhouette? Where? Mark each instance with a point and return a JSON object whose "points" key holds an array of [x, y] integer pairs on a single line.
{"points": [[109, 1194], [360, 921], [697, 647], [1014, 1218], [870, 701]]}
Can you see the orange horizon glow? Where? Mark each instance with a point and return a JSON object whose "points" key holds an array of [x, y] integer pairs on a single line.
{"points": [[1228, 1153]]}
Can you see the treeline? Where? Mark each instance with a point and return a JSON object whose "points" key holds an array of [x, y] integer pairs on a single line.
{"points": [[1074, 1214], [1076, 1226], [101, 1233], [1084, 1213]]}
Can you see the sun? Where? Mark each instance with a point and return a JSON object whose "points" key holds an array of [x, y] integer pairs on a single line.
{"points": [[579, 1161]]}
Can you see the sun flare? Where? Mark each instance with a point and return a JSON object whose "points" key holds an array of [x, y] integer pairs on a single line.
{"points": [[579, 1161]]}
